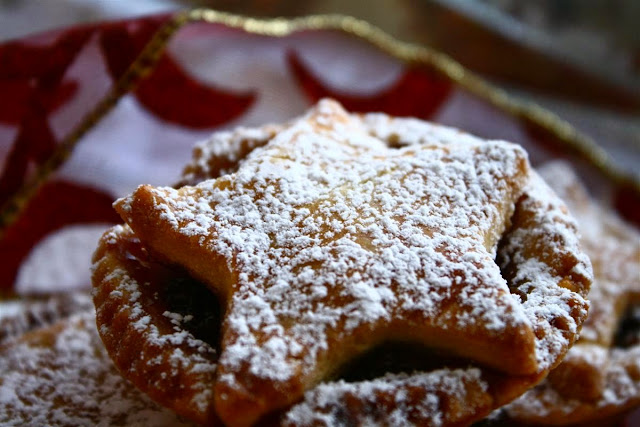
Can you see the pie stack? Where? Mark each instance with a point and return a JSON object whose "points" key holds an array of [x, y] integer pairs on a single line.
{"points": [[338, 269]]}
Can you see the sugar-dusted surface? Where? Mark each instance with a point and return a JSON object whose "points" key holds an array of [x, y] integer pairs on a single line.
{"points": [[612, 244], [596, 379], [614, 249], [621, 391], [409, 400], [20, 316], [326, 235], [61, 375], [146, 340], [543, 262], [222, 152], [442, 393]]}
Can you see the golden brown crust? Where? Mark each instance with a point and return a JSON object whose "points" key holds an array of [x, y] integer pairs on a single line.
{"points": [[537, 239], [335, 238], [599, 378], [223, 151], [161, 359], [121, 258]]}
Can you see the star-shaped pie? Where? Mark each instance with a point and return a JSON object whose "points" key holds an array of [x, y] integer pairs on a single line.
{"points": [[342, 233]]}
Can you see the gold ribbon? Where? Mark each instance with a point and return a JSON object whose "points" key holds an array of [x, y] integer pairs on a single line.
{"points": [[408, 53]]}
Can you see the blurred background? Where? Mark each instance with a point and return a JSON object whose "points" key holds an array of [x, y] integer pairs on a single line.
{"points": [[578, 58], [598, 37]]}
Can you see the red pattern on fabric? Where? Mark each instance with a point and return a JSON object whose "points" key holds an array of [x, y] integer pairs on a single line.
{"points": [[31, 80], [57, 203], [32, 87], [169, 92], [419, 92]]}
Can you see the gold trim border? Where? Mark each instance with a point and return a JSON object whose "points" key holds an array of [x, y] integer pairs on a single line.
{"points": [[408, 53]]}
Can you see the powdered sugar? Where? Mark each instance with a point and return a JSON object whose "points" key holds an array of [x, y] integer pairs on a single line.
{"points": [[614, 249], [408, 399], [612, 373], [10, 308], [540, 252], [221, 153], [63, 376], [621, 390], [128, 295], [359, 237], [265, 217], [18, 317]]}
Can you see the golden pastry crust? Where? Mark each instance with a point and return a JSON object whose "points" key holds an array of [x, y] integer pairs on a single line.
{"points": [[146, 338], [600, 376], [221, 154], [346, 232], [371, 401], [61, 375], [450, 391]]}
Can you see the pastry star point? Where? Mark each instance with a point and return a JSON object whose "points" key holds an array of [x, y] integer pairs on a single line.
{"points": [[369, 243]]}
